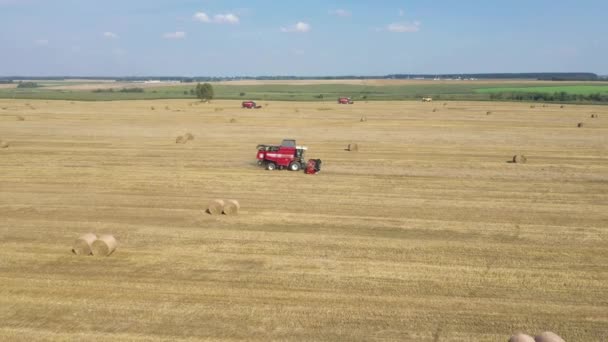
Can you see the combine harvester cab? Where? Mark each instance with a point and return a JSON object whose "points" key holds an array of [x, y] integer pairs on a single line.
{"points": [[287, 155]]}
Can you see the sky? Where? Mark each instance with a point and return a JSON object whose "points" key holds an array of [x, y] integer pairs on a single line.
{"points": [[302, 38]]}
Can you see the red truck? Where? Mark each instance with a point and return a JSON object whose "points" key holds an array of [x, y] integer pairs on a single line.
{"points": [[345, 100], [287, 155], [250, 105]]}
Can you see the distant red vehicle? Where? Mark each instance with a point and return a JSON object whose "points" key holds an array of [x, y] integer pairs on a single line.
{"points": [[345, 100], [250, 105], [287, 155]]}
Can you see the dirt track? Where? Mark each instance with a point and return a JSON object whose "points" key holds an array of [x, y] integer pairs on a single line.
{"points": [[426, 233]]}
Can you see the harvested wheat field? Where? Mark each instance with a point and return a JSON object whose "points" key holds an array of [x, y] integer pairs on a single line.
{"points": [[429, 233]]}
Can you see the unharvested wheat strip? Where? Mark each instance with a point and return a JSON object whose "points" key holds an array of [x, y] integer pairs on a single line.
{"points": [[83, 245], [231, 207], [104, 246], [215, 207]]}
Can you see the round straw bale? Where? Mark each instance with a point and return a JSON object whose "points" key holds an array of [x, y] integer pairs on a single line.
{"points": [[353, 147], [4, 144], [488, 112], [521, 337], [580, 124], [520, 159], [594, 116], [215, 207], [548, 336], [180, 140], [233, 120], [104, 246], [20, 118], [562, 106], [189, 136], [231, 207], [83, 245]]}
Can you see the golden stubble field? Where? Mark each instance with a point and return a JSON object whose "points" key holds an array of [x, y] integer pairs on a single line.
{"points": [[425, 234]]}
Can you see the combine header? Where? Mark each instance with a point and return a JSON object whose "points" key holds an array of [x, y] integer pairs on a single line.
{"points": [[288, 155]]}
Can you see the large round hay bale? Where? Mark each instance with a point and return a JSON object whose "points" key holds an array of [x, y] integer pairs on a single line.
{"points": [[4, 144], [104, 246], [548, 336], [520, 159], [594, 116], [521, 337], [353, 147], [83, 245], [180, 140], [188, 136], [215, 207], [20, 118], [580, 124], [231, 208]]}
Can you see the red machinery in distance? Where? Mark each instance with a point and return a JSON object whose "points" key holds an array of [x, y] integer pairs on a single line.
{"points": [[287, 155], [250, 105]]}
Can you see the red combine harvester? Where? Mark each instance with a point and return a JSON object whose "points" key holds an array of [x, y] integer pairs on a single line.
{"points": [[250, 105], [287, 155], [345, 100]]}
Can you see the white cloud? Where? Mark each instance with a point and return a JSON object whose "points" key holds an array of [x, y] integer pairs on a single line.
{"points": [[41, 42], [340, 13], [201, 16], [228, 18], [110, 35], [404, 27], [175, 35], [300, 27]]}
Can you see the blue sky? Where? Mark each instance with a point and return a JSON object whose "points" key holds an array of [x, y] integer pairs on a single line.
{"points": [[306, 38]]}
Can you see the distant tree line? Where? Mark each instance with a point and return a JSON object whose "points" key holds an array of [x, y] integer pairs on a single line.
{"points": [[6, 81], [556, 76], [550, 97], [123, 90]]}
